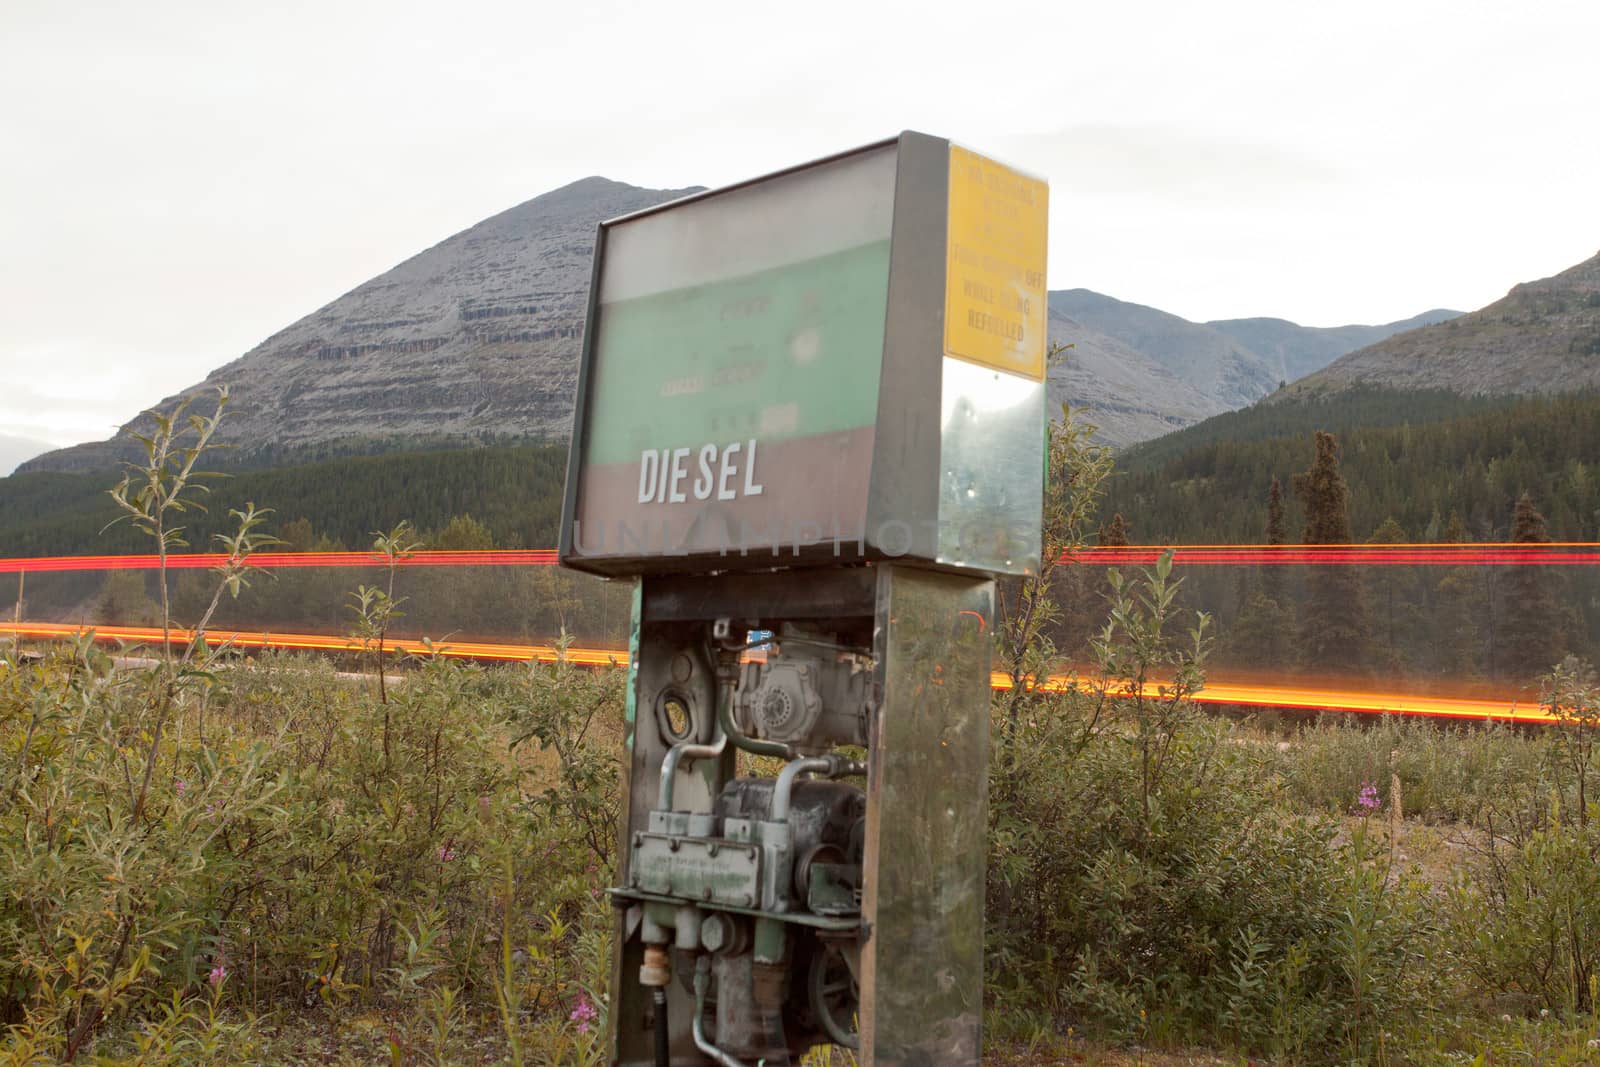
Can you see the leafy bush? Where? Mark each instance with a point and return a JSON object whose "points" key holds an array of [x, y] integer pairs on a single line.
{"points": [[1149, 879], [1447, 774], [293, 851]]}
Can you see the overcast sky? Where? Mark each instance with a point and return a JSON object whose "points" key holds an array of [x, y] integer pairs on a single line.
{"points": [[181, 178]]}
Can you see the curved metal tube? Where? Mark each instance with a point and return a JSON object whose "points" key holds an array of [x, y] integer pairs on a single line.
{"points": [[683, 750], [702, 983], [831, 766], [728, 676]]}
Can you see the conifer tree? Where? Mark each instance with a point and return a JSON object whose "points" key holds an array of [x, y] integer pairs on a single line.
{"points": [[1114, 534], [1392, 589], [1455, 645], [1257, 636], [1277, 529], [1530, 639], [1333, 627], [1277, 534]]}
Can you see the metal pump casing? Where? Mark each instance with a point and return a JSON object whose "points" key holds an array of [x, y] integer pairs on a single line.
{"points": [[810, 406]]}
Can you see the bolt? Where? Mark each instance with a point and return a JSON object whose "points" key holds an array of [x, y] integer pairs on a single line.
{"points": [[713, 848], [749, 900], [705, 894], [638, 839]]}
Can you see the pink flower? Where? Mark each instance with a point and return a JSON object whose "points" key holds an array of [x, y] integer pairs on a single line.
{"points": [[583, 1014], [446, 854], [178, 787], [218, 973], [1368, 800]]}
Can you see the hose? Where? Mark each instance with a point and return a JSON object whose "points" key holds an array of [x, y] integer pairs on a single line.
{"points": [[663, 1051]]}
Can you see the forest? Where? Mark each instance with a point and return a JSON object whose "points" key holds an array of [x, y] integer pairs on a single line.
{"points": [[1410, 457], [513, 490], [1397, 468]]}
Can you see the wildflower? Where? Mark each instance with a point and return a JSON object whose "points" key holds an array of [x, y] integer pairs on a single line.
{"points": [[583, 1014], [218, 973], [178, 787], [446, 854], [1368, 800], [1544, 1013]]}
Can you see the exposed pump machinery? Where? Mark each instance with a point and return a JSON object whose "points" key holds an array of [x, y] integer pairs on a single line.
{"points": [[759, 898]]}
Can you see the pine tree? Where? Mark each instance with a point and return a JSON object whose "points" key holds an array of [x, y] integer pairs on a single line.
{"points": [[1454, 644], [1334, 625], [1115, 533], [1277, 534], [1393, 589], [1277, 529], [1257, 638], [1530, 639]]}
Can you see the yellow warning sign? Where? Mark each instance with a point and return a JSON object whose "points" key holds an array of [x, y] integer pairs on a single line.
{"points": [[994, 304]]}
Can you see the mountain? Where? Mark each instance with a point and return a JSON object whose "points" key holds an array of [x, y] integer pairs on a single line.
{"points": [[1228, 363], [1223, 373], [1292, 351], [1541, 337], [14, 450], [1128, 396], [476, 340]]}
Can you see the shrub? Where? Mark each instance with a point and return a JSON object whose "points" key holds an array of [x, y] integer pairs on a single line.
{"points": [[1148, 878]]}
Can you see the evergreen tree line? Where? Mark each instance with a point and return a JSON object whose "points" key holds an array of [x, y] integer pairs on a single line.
{"points": [[513, 492], [1475, 464], [1505, 623]]}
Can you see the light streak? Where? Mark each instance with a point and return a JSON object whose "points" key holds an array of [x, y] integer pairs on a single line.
{"points": [[1561, 554], [537, 557], [1219, 690]]}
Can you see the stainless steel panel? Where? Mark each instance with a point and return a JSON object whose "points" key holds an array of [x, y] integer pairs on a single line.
{"points": [[922, 969], [904, 495], [991, 469]]}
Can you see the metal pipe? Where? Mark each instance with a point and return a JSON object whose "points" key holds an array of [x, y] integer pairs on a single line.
{"points": [[831, 766], [783, 790], [728, 676], [702, 983], [678, 753]]}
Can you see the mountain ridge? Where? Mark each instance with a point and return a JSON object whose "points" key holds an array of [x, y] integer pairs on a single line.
{"points": [[1543, 336], [476, 338]]}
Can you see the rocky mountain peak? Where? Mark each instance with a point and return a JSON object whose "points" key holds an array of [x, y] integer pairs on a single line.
{"points": [[1541, 337]]}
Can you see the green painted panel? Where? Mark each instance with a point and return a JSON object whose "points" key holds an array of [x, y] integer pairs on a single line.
{"points": [[788, 352]]}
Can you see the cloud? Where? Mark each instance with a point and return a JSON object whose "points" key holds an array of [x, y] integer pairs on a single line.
{"points": [[73, 390], [1166, 161], [15, 450]]}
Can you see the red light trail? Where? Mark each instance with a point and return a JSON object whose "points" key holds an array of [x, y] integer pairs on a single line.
{"points": [[1563, 554]]}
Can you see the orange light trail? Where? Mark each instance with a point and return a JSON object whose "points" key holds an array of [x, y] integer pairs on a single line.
{"points": [[1219, 690], [1560, 554]]}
